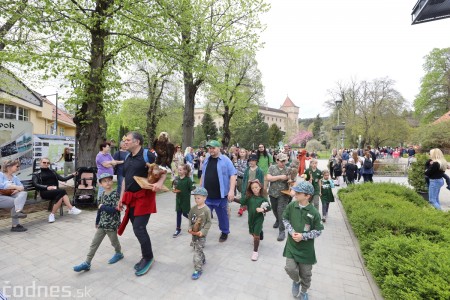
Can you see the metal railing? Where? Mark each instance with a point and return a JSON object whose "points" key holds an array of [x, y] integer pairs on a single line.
{"points": [[391, 168]]}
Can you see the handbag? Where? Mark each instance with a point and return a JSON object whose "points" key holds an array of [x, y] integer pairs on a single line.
{"points": [[6, 192]]}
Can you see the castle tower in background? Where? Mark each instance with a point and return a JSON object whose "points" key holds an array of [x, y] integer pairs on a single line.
{"points": [[292, 116]]}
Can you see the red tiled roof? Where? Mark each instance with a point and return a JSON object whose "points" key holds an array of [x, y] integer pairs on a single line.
{"points": [[445, 117], [288, 103], [63, 116]]}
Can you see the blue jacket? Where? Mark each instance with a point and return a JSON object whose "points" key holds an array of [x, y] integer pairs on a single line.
{"points": [[225, 169]]}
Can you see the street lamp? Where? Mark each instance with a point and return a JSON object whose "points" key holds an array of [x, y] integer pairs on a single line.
{"points": [[56, 113], [338, 106]]}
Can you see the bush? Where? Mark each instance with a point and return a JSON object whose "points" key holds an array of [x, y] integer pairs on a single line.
{"points": [[405, 241], [416, 176], [434, 136]]}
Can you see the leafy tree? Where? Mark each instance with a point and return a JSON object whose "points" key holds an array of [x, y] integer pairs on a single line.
{"points": [[193, 31], [314, 145], [255, 132], [234, 86], [301, 138], [151, 79], [209, 127], [434, 136], [434, 97], [275, 135], [199, 136], [317, 126], [372, 109]]}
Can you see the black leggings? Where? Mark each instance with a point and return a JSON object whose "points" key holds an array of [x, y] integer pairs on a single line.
{"points": [[179, 213], [140, 231]]}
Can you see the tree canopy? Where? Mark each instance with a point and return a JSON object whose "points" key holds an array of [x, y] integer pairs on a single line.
{"points": [[434, 98]]}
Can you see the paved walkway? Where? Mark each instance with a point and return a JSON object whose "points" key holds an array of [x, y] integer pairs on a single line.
{"points": [[38, 263]]}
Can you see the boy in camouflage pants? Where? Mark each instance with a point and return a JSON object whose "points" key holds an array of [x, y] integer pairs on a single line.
{"points": [[199, 224], [107, 222]]}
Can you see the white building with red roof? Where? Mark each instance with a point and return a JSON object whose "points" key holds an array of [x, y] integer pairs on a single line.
{"points": [[285, 117]]}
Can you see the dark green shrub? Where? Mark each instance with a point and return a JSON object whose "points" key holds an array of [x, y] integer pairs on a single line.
{"points": [[416, 177], [405, 241], [410, 268]]}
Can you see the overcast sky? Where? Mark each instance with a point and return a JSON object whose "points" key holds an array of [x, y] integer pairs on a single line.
{"points": [[311, 45]]}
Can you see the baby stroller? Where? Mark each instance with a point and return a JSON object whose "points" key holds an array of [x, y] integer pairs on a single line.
{"points": [[85, 186]]}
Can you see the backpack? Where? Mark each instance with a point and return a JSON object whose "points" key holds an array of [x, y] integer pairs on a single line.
{"points": [[145, 154], [337, 169], [367, 163]]}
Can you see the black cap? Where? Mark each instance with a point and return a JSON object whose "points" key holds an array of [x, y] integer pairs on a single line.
{"points": [[253, 157]]}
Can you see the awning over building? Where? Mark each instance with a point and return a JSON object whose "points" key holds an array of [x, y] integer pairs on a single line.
{"points": [[430, 10]]}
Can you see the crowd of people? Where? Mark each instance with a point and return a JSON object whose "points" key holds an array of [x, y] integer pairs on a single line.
{"points": [[259, 180]]}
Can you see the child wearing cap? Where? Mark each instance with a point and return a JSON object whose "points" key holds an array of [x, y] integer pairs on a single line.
{"points": [[303, 224], [314, 176], [199, 224], [256, 200], [251, 173], [107, 223]]}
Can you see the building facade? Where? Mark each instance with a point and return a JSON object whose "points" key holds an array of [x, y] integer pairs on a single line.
{"points": [[286, 117], [27, 121]]}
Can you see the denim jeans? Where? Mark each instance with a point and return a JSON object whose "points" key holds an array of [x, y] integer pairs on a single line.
{"points": [[119, 183], [221, 207], [433, 192], [140, 231]]}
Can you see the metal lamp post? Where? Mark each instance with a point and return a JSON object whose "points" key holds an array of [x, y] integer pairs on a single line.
{"points": [[338, 106], [56, 113]]}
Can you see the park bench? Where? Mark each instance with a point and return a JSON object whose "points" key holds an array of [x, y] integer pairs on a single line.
{"points": [[29, 187]]}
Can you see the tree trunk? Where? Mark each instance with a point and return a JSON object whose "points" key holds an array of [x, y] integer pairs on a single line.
{"points": [[16, 16], [226, 137], [190, 90], [90, 121]]}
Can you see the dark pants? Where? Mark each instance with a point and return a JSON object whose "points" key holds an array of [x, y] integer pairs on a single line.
{"points": [[278, 206], [140, 231], [368, 177], [221, 207], [179, 214]]}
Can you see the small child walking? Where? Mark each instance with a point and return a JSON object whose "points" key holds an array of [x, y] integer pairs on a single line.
{"points": [[327, 193], [199, 224], [183, 198], [252, 172], [256, 201], [314, 176], [107, 223], [303, 223]]}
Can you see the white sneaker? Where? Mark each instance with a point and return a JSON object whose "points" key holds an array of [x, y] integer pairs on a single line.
{"points": [[51, 218], [74, 211]]}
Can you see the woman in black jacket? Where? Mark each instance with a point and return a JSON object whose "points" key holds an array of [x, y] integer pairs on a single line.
{"points": [[435, 170], [46, 182]]}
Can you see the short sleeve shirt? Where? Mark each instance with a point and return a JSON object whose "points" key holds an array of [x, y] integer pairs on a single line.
{"points": [[316, 176], [136, 166], [101, 158], [302, 220], [280, 185]]}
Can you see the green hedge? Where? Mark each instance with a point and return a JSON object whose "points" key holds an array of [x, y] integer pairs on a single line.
{"points": [[405, 242]]}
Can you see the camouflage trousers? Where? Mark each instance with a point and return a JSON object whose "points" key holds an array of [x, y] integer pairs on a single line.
{"points": [[199, 256]]}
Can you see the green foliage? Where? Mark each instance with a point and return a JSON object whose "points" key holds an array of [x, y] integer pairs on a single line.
{"points": [[209, 127], [199, 136], [404, 241], [434, 136], [314, 145], [434, 97], [416, 176], [316, 127], [275, 135], [250, 134], [372, 109]]}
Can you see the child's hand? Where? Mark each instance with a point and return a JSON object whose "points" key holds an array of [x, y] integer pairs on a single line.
{"points": [[96, 226], [199, 234], [259, 209], [297, 236]]}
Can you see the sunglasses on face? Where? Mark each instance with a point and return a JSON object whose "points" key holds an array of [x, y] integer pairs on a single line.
{"points": [[45, 162]]}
